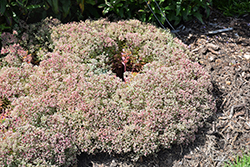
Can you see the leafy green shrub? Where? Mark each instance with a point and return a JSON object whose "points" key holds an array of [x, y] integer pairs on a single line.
{"points": [[33, 11], [69, 10], [13, 10], [73, 101], [65, 10], [175, 11], [233, 7]]}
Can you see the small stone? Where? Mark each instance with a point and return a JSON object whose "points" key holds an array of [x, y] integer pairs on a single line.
{"points": [[228, 82]]}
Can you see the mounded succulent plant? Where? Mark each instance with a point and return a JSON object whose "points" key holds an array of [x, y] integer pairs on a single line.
{"points": [[125, 87]]}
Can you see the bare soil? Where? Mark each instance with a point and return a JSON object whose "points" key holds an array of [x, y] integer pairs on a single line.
{"points": [[226, 55]]}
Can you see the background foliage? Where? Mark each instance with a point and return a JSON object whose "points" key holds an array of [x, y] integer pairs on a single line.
{"points": [[233, 7], [176, 11], [31, 11]]}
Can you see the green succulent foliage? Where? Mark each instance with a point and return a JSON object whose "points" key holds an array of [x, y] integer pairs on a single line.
{"points": [[233, 7]]}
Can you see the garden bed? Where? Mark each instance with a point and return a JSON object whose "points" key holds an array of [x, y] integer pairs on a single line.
{"points": [[226, 55]]}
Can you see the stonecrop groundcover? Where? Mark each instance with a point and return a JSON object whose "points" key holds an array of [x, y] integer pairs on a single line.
{"points": [[119, 87]]}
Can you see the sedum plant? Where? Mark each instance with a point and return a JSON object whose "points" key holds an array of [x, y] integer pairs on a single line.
{"points": [[26, 42], [122, 88]]}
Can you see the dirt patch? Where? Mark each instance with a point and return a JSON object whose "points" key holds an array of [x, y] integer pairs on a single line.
{"points": [[226, 55]]}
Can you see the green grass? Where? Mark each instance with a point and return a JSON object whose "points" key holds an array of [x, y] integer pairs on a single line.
{"points": [[240, 162]]}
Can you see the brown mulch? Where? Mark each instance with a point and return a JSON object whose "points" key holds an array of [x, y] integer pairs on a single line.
{"points": [[226, 55]]}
